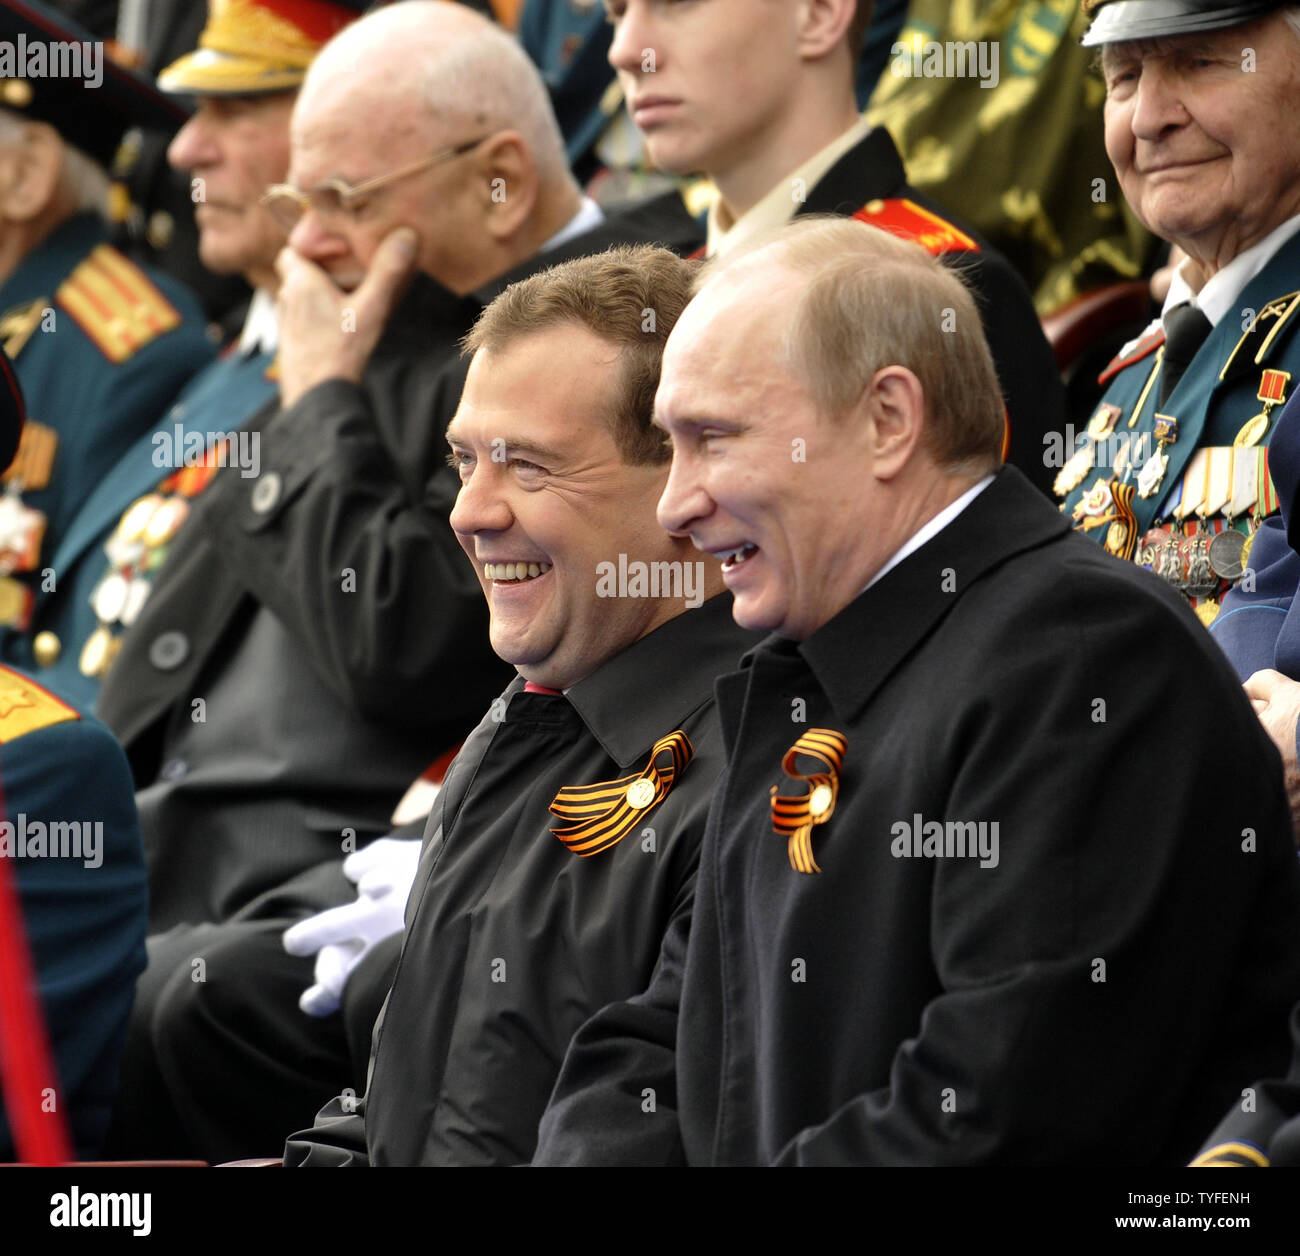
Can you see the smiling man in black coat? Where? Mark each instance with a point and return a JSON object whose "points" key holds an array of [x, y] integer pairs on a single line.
{"points": [[951, 909]]}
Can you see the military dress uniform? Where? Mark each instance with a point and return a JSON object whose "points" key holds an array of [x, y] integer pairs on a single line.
{"points": [[85, 910], [563, 844], [119, 538], [1180, 486], [866, 181], [919, 938], [101, 349]]}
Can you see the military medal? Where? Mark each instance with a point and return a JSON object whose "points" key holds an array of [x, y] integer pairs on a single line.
{"points": [[1153, 470], [22, 529], [1076, 468], [165, 522], [1228, 554], [1272, 392], [137, 592], [640, 794], [137, 516], [109, 598], [94, 654]]}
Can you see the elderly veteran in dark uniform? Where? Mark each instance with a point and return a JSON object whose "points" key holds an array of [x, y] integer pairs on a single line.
{"points": [[316, 638], [244, 79], [1173, 470], [564, 841], [936, 903], [100, 346], [759, 96], [69, 828]]}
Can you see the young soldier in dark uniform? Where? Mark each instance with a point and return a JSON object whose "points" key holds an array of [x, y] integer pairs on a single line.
{"points": [[100, 346], [943, 916], [768, 113], [565, 838]]}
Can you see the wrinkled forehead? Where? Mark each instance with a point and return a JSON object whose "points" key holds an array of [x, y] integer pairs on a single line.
{"points": [[337, 134]]}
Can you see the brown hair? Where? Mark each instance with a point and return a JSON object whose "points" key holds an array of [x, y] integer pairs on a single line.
{"points": [[631, 296], [872, 300], [858, 30]]}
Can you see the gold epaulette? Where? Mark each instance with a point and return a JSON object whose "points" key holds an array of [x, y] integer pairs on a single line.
{"points": [[902, 217], [116, 304], [25, 706]]}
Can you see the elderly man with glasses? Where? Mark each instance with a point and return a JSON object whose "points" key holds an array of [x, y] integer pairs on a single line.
{"points": [[316, 638]]}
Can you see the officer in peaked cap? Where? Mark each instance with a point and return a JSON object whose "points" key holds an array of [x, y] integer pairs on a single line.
{"points": [[100, 345], [1173, 470], [1118, 20]]}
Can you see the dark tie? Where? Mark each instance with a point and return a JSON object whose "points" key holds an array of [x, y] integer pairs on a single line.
{"points": [[1185, 331]]}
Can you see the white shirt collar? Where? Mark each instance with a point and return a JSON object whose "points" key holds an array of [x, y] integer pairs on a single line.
{"points": [[261, 327], [1221, 290], [588, 218], [778, 205], [930, 529]]}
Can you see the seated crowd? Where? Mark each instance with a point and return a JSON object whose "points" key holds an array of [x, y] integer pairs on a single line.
{"points": [[645, 640]]}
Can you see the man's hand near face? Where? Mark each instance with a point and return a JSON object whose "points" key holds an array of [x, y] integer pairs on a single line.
{"points": [[326, 333], [1276, 699]]}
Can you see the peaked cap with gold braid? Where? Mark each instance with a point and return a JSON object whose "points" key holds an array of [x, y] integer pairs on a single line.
{"points": [[602, 815], [249, 47]]}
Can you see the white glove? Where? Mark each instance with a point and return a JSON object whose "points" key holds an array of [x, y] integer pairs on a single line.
{"points": [[341, 937]]}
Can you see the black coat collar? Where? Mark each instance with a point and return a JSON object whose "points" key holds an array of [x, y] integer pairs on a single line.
{"points": [[856, 652]]}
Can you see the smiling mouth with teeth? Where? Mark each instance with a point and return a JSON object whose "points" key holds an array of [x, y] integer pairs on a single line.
{"points": [[502, 572], [733, 560]]}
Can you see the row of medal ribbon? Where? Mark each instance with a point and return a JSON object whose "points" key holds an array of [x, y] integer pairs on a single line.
{"points": [[1212, 513]]}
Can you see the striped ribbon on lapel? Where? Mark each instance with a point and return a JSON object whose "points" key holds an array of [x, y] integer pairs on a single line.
{"points": [[793, 817], [602, 815]]}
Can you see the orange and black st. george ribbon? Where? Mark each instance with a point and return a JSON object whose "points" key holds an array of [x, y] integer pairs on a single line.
{"points": [[794, 817], [602, 815]]}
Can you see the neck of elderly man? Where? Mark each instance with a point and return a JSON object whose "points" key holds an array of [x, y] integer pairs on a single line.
{"points": [[1204, 136], [40, 190]]}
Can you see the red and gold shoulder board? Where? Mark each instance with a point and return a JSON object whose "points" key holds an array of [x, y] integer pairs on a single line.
{"points": [[25, 706], [905, 218], [116, 304], [1146, 345]]}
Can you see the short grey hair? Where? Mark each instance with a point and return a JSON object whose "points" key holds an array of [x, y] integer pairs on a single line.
{"points": [[869, 299], [83, 182]]}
